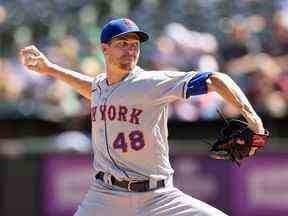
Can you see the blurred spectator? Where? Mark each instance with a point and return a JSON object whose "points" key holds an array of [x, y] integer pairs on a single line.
{"points": [[182, 49], [257, 73], [278, 49], [9, 90], [241, 44]]}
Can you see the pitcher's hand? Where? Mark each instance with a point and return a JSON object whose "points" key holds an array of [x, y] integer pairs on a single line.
{"points": [[34, 60]]}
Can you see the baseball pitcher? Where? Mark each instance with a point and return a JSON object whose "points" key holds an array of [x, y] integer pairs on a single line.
{"points": [[133, 176]]}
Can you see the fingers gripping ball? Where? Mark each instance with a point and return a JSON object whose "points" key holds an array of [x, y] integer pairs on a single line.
{"points": [[34, 60], [236, 142], [28, 55]]}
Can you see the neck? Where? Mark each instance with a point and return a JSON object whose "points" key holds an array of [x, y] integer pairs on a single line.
{"points": [[115, 75]]}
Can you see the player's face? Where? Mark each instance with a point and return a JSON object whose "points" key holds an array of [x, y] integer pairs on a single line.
{"points": [[123, 52]]}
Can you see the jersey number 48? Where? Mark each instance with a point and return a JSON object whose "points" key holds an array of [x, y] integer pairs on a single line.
{"points": [[136, 141]]}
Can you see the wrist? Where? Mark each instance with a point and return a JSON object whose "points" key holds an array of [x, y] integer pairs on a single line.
{"points": [[255, 124], [51, 69]]}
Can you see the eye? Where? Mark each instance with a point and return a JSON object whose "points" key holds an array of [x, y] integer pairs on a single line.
{"points": [[122, 44], [135, 45], [126, 44]]}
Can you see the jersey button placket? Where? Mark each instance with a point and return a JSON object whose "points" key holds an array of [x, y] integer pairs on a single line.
{"points": [[107, 96]]}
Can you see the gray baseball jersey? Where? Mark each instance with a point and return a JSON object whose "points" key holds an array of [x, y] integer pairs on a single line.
{"points": [[129, 133], [129, 122]]}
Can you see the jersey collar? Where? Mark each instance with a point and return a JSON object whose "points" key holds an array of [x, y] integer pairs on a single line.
{"points": [[131, 74]]}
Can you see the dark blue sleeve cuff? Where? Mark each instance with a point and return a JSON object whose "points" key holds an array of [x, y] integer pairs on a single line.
{"points": [[197, 85]]}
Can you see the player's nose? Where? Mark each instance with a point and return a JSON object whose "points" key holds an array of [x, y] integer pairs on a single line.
{"points": [[131, 52]]}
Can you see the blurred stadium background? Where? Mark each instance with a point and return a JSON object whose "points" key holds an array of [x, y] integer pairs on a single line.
{"points": [[45, 157]]}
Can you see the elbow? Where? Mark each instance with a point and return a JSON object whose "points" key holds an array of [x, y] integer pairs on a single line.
{"points": [[219, 75], [216, 81]]}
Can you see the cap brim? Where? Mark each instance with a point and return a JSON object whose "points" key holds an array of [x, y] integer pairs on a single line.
{"points": [[143, 36]]}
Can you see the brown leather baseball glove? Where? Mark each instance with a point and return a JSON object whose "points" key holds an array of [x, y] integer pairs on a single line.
{"points": [[236, 142]]}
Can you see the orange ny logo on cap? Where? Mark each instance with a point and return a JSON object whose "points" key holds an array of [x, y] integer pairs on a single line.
{"points": [[129, 22]]}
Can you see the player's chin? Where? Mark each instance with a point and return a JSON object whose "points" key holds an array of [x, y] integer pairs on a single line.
{"points": [[128, 66]]}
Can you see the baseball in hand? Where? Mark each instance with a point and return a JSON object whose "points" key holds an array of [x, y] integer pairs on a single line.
{"points": [[29, 59], [29, 56]]}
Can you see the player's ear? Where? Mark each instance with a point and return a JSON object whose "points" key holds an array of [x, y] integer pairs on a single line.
{"points": [[104, 47]]}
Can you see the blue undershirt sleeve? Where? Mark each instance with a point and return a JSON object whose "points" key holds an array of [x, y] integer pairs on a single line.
{"points": [[197, 84]]}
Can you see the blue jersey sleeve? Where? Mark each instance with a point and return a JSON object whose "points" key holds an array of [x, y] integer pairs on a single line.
{"points": [[197, 85]]}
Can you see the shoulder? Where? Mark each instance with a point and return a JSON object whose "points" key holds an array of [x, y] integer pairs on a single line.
{"points": [[97, 79], [162, 74]]}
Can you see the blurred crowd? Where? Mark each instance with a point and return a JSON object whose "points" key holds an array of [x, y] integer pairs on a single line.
{"points": [[251, 47], [257, 64]]}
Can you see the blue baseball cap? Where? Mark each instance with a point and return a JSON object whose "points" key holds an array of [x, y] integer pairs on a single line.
{"points": [[121, 26]]}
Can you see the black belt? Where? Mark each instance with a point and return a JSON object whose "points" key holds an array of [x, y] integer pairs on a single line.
{"points": [[132, 186]]}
